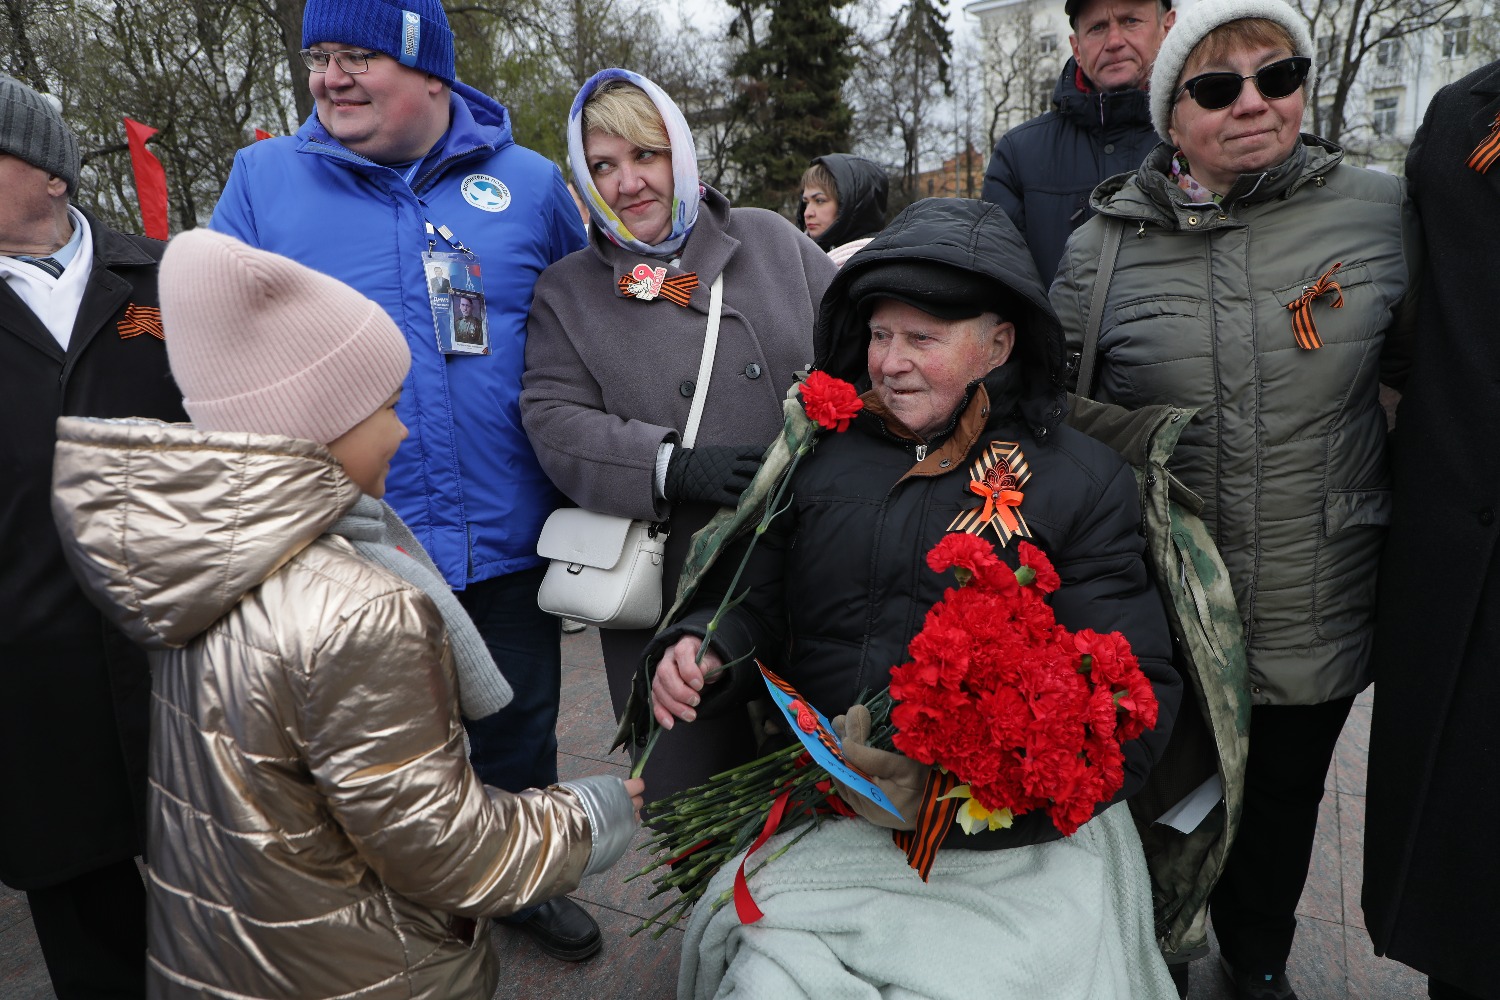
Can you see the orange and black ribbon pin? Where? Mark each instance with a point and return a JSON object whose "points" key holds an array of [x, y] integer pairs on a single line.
{"points": [[1302, 318], [140, 319], [677, 289], [1488, 151], [998, 501]]}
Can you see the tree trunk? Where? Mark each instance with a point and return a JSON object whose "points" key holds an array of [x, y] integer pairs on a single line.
{"points": [[288, 17]]}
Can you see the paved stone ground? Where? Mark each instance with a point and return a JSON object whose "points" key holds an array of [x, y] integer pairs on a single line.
{"points": [[1332, 959]]}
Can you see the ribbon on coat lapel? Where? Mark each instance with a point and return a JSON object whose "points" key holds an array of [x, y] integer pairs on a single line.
{"points": [[1488, 151], [140, 319], [998, 475], [646, 283]]}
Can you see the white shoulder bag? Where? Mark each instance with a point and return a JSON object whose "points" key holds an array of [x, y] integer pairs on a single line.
{"points": [[607, 570]]}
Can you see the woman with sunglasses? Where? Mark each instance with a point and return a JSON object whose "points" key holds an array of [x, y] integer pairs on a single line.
{"points": [[1258, 279]]}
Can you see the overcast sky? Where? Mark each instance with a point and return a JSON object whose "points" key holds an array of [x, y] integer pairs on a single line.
{"points": [[715, 13]]}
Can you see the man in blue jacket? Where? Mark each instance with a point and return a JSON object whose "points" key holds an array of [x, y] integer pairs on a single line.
{"points": [[1044, 170], [403, 172]]}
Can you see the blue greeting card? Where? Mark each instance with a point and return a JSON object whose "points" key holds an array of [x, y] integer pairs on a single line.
{"points": [[817, 735]]}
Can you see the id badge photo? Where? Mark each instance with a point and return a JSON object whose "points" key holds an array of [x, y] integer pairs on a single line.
{"points": [[456, 295]]}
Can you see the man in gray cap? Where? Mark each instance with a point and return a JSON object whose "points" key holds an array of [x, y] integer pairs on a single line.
{"points": [[80, 335], [1043, 170]]}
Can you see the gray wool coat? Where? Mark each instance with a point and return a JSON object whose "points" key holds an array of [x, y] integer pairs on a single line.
{"points": [[609, 378], [1288, 447]]}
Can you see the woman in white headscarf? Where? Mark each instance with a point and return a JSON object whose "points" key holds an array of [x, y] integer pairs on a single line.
{"points": [[614, 343]]}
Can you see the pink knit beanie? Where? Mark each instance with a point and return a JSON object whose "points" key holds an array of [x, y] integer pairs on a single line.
{"points": [[259, 343]]}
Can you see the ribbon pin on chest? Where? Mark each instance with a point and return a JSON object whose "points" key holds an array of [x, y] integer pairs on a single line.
{"points": [[646, 283], [998, 475]]}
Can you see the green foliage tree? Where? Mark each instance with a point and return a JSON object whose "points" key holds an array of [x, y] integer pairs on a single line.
{"points": [[791, 75]]}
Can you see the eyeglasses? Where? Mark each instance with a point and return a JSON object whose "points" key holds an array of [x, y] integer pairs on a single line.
{"points": [[1279, 79], [349, 60]]}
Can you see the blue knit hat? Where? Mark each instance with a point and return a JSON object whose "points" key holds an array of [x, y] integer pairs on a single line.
{"points": [[413, 32]]}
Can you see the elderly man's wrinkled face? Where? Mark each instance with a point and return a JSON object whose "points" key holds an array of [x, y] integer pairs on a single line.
{"points": [[1116, 41], [29, 213], [920, 366]]}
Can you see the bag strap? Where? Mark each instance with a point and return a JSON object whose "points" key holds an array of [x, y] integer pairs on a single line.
{"points": [[706, 365], [1114, 230]]}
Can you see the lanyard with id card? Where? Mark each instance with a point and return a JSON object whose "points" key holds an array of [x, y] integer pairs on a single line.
{"points": [[456, 295]]}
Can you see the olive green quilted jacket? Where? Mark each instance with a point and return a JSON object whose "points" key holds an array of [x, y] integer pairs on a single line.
{"points": [[1287, 450]]}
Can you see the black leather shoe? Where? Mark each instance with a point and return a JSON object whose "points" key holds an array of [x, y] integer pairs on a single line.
{"points": [[564, 930], [1253, 986]]}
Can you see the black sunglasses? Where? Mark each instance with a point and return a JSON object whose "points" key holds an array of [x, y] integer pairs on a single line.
{"points": [[1279, 79]]}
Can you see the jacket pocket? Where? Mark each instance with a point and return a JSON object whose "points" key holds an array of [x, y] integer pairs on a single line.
{"points": [[1355, 508], [1348, 557], [1157, 306], [1350, 321], [1144, 343]]}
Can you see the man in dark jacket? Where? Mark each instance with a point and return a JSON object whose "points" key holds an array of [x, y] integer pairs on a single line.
{"points": [[80, 335], [1043, 170], [1431, 880], [843, 203], [942, 324]]}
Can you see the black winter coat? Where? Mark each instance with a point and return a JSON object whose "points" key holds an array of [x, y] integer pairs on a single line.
{"points": [[1043, 170], [862, 188], [839, 585], [73, 692], [1431, 880]]}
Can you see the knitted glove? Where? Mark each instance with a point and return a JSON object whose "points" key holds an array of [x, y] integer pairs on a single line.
{"points": [[713, 473], [899, 777]]}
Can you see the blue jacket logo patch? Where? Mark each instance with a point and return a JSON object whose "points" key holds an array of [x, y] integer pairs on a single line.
{"points": [[486, 192]]}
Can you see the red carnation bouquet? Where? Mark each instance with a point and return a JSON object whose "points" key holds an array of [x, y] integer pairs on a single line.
{"points": [[1022, 712]]}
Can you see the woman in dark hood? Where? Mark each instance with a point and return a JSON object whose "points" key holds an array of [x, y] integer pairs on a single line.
{"points": [[843, 203]]}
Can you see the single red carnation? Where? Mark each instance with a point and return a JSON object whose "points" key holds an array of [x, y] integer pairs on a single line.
{"points": [[1110, 659], [1138, 702], [830, 402], [965, 551], [1036, 560]]}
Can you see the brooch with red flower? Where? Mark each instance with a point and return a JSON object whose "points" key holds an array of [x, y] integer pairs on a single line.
{"points": [[997, 477]]}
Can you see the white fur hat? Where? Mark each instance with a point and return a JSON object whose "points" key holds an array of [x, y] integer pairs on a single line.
{"points": [[1194, 25]]}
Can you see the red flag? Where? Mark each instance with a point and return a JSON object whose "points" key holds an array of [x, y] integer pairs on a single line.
{"points": [[150, 180], [261, 133]]}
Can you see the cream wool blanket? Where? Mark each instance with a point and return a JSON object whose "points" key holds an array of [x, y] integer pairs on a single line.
{"points": [[846, 919]]}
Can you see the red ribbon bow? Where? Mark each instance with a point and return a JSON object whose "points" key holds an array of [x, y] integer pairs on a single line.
{"points": [[1303, 326], [998, 503]]}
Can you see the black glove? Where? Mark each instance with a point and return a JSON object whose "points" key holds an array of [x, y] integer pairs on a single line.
{"points": [[713, 473]]}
